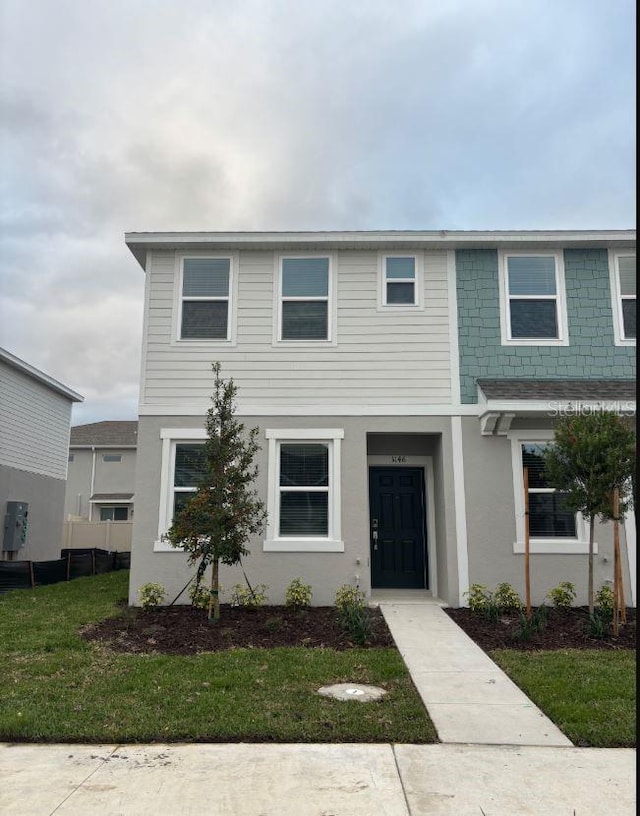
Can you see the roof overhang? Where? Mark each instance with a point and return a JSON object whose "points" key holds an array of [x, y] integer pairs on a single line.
{"points": [[40, 376], [549, 400], [140, 242]]}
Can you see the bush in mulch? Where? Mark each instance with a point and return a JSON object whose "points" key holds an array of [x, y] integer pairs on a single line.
{"points": [[560, 629], [185, 630]]}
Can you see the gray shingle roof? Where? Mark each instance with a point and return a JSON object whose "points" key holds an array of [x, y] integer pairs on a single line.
{"points": [[568, 389], [112, 433]]}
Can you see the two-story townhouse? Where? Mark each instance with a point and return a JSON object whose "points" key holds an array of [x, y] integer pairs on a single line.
{"points": [[35, 417], [359, 356], [101, 471]]}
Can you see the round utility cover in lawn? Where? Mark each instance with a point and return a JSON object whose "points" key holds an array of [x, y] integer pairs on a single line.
{"points": [[352, 691]]}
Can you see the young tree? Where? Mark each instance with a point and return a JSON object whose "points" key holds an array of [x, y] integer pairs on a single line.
{"points": [[592, 454], [225, 511]]}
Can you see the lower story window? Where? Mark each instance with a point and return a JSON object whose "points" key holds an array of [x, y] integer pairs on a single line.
{"points": [[548, 515], [553, 528], [304, 490], [114, 514], [188, 471]]}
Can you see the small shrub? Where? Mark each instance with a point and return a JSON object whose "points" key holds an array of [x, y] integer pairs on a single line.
{"points": [[353, 614], [349, 596], [604, 602], [479, 597], [563, 595], [506, 598], [598, 625], [199, 596], [273, 624], [298, 595], [249, 598], [527, 627], [151, 595]]}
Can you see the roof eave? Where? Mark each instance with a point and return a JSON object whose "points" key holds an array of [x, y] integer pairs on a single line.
{"points": [[140, 242]]}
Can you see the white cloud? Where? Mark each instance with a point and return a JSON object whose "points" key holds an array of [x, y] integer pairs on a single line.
{"points": [[139, 115]]}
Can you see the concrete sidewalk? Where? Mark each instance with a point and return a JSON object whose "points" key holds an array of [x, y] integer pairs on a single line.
{"points": [[314, 780], [469, 699]]}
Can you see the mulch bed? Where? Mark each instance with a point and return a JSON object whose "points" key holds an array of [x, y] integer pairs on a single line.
{"points": [[183, 630], [564, 629]]}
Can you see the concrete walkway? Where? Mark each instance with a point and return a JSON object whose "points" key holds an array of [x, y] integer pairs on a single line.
{"points": [[469, 699], [314, 780]]}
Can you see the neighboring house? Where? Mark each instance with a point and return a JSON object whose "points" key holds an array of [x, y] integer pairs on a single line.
{"points": [[35, 417], [101, 477], [399, 380]]}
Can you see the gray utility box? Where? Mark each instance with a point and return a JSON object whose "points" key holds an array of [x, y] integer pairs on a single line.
{"points": [[15, 526]]}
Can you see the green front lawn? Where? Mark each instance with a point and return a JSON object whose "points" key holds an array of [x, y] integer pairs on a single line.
{"points": [[589, 694], [59, 688]]}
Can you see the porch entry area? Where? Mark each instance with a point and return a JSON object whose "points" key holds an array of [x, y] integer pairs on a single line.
{"points": [[398, 528]]}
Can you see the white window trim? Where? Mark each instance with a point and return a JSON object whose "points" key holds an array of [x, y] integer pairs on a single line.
{"points": [[331, 299], [552, 546], [418, 281], [560, 298], [230, 339], [330, 543], [170, 438], [617, 297]]}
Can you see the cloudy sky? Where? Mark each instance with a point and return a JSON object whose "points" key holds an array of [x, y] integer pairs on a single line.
{"points": [[127, 115]]}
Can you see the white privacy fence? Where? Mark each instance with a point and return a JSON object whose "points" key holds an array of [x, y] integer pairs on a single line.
{"points": [[105, 535]]}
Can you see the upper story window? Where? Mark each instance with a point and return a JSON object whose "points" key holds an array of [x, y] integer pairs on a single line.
{"points": [[71, 457], [305, 292], [532, 297], [205, 299], [112, 457], [399, 281], [623, 288]]}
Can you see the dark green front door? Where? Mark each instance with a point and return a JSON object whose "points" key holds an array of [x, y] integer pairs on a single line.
{"points": [[398, 537]]}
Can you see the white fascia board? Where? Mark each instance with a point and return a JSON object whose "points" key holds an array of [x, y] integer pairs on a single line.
{"points": [[140, 242], [40, 376]]}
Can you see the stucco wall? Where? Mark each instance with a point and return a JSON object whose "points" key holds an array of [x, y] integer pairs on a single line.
{"points": [[324, 571], [491, 525]]}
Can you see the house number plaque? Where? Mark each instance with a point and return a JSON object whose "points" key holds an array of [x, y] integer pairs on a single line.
{"points": [[398, 460]]}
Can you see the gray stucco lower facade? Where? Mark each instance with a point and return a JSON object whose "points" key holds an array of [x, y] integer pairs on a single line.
{"points": [[423, 444], [45, 497], [492, 522], [473, 523]]}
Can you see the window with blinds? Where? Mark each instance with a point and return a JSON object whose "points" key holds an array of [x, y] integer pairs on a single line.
{"points": [[304, 292], [188, 471], [548, 515], [532, 293], [304, 489], [205, 298]]}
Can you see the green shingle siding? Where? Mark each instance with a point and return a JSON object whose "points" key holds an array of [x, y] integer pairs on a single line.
{"points": [[591, 351]]}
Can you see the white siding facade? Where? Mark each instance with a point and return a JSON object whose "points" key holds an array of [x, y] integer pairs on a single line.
{"points": [[383, 356], [34, 433]]}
